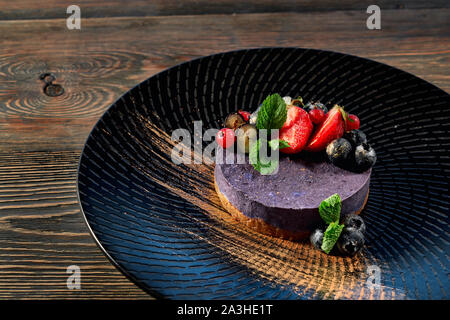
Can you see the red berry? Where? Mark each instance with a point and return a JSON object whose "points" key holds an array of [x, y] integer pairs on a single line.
{"points": [[317, 115], [225, 138], [330, 129], [293, 114], [352, 123], [245, 114], [297, 134]]}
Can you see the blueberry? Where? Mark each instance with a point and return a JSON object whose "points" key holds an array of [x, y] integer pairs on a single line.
{"points": [[355, 221], [365, 157], [313, 105], [245, 135], [338, 151], [316, 238], [234, 121], [350, 241], [356, 137]]}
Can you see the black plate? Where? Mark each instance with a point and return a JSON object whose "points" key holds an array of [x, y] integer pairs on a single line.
{"points": [[161, 225]]}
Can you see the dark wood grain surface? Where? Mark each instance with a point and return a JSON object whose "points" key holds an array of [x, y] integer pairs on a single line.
{"points": [[42, 231]]}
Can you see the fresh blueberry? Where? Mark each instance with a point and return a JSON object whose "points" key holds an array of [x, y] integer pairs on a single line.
{"points": [[316, 238], [355, 221], [356, 137], [338, 151], [365, 157], [350, 241]]}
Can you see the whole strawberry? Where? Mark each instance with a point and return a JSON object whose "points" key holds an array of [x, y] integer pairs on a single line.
{"points": [[330, 129], [351, 123], [317, 115]]}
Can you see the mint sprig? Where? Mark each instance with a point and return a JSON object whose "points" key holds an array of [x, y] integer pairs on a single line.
{"points": [[275, 144], [262, 165], [331, 236], [273, 113], [330, 211]]}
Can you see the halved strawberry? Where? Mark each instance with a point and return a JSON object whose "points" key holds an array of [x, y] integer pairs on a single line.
{"points": [[298, 130], [331, 128], [293, 114]]}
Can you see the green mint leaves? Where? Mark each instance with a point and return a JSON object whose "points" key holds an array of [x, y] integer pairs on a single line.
{"points": [[261, 164], [273, 113], [278, 144], [330, 211], [331, 236]]}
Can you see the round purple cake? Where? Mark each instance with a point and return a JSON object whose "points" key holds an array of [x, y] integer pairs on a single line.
{"points": [[286, 204]]}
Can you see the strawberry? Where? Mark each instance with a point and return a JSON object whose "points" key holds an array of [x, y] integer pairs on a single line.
{"points": [[244, 114], [317, 115], [296, 131], [352, 123], [331, 128], [293, 114]]}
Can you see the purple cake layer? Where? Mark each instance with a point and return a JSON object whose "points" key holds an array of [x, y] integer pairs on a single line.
{"points": [[290, 198]]}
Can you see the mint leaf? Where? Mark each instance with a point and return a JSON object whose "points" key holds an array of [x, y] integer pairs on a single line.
{"points": [[269, 168], [278, 144], [284, 144], [253, 155], [330, 209], [331, 236], [273, 113], [264, 168]]}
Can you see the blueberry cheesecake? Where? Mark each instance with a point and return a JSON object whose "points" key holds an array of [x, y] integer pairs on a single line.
{"points": [[314, 190]]}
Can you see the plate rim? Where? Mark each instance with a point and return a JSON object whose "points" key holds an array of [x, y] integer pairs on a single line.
{"points": [[129, 276]]}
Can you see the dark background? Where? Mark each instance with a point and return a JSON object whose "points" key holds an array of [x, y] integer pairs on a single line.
{"points": [[120, 44]]}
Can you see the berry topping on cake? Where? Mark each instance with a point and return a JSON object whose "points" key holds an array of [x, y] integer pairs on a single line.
{"points": [[316, 105], [296, 130], [351, 123], [338, 152], [365, 157], [317, 115], [330, 129], [234, 121], [356, 137], [293, 116], [245, 135], [225, 138], [245, 114]]}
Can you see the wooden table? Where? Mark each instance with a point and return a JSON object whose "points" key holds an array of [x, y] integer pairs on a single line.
{"points": [[42, 230]]}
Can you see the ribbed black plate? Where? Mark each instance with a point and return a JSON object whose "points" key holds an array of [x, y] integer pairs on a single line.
{"points": [[152, 220]]}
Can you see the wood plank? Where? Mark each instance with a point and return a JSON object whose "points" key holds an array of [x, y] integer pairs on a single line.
{"points": [[42, 230], [29, 9]]}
